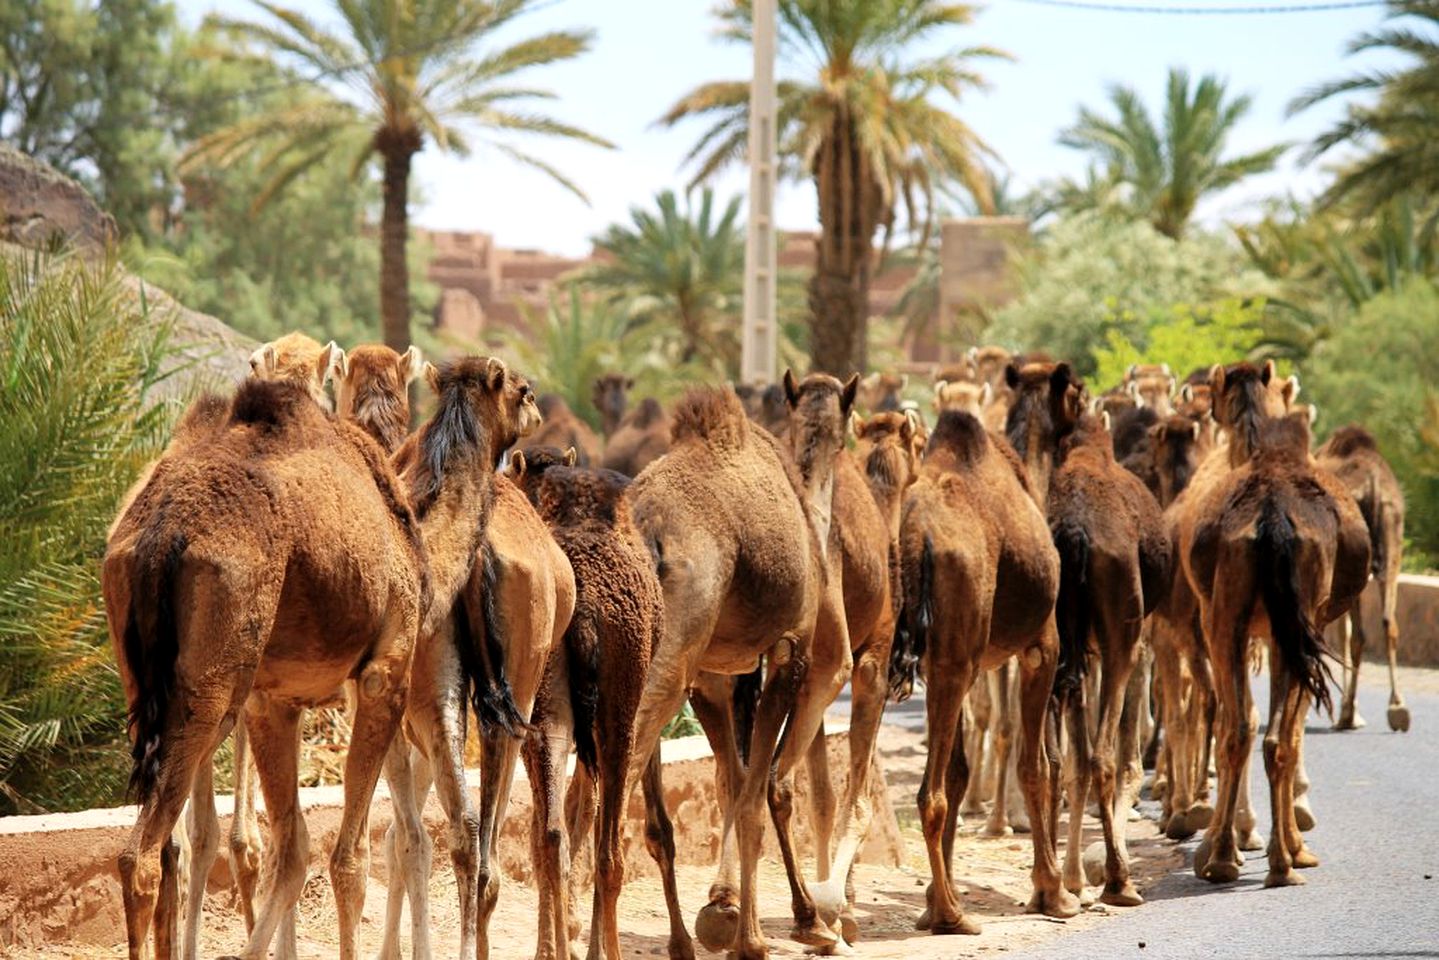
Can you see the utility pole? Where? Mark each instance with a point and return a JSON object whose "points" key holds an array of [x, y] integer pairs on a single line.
{"points": [[758, 333]]}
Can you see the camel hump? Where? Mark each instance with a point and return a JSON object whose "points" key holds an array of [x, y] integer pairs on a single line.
{"points": [[960, 434], [1349, 439], [270, 403], [647, 414], [712, 415]]}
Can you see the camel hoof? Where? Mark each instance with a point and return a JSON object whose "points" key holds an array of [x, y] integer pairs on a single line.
{"points": [[717, 925], [1060, 904], [1283, 878], [1220, 872], [813, 934], [1202, 854], [1200, 815], [996, 830], [828, 899], [1251, 841], [1094, 860], [1305, 859], [922, 921], [1350, 721], [1125, 896], [1303, 815], [1399, 718], [959, 925], [848, 928], [682, 948], [1179, 827]]}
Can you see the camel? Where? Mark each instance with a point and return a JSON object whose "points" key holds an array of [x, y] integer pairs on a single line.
{"points": [[298, 358], [980, 576], [504, 594], [1151, 385], [881, 392], [744, 577], [641, 438], [1185, 688], [372, 390], [232, 576], [1276, 549], [1351, 454], [562, 428], [617, 620], [610, 393]]}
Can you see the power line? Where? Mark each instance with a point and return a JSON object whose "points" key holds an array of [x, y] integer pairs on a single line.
{"points": [[1260, 10]]}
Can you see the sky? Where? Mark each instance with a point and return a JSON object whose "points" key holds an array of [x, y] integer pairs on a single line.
{"points": [[648, 53]]}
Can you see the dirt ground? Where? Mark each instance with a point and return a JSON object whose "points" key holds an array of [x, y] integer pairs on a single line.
{"points": [[993, 874]]}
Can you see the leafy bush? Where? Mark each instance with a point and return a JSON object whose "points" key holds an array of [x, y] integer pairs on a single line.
{"points": [[1187, 338], [1090, 274], [78, 357], [1381, 370]]}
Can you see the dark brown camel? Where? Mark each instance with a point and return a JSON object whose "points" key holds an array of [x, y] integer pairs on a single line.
{"points": [[235, 575], [1274, 548], [980, 577], [562, 428], [1351, 454], [617, 619], [611, 396], [641, 438]]}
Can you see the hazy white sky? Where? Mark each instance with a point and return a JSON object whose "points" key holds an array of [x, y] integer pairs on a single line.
{"points": [[649, 52]]}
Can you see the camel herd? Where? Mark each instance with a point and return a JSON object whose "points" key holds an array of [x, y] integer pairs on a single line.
{"points": [[1066, 574]]}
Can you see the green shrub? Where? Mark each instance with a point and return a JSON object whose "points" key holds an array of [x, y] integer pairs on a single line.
{"points": [[1187, 338], [78, 356]]}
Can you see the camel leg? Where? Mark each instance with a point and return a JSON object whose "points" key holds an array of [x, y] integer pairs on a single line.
{"points": [[580, 800], [660, 842], [1006, 715], [823, 803], [1135, 724], [946, 684], [1299, 853], [497, 770], [1077, 776], [1107, 765], [609, 837], [1279, 763], [1389, 614], [1169, 683], [203, 832], [1226, 631], [977, 710], [245, 852], [545, 753], [407, 850], [274, 734], [1353, 654], [1303, 810], [1245, 822], [1039, 775], [1204, 706]]}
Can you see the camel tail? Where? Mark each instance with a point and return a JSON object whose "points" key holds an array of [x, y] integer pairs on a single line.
{"points": [[1072, 609], [911, 633], [1299, 641], [151, 647], [582, 659], [484, 669], [747, 690]]}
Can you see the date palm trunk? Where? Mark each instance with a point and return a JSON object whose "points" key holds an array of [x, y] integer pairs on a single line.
{"points": [[849, 208], [397, 149]]}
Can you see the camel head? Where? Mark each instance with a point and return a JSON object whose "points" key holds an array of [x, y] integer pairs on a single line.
{"points": [[300, 358], [528, 466], [1180, 443], [481, 395], [372, 388], [1049, 399], [990, 364], [972, 398], [881, 391], [887, 445], [1195, 400], [611, 397], [1243, 396], [819, 408], [1115, 401], [1150, 385]]}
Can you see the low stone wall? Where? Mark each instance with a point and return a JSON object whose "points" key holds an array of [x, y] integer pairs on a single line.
{"points": [[1418, 616], [58, 879]]}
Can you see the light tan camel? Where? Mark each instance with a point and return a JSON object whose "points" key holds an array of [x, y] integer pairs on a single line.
{"points": [[1351, 454], [372, 389], [1274, 548], [1151, 385], [617, 620], [511, 593], [744, 578], [234, 574], [980, 577], [881, 392]]}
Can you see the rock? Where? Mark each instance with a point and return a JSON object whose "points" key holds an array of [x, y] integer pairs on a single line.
{"points": [[39, 205]]}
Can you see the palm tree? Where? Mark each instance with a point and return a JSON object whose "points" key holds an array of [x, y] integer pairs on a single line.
{"points": [[1401, 128], [397, 74], [1169, 166], [864, 125], [678, 270]]}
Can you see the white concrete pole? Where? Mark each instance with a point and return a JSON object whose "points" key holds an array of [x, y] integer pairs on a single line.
{"points": [[759, 331]]}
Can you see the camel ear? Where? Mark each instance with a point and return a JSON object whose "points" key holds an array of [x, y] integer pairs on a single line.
{"points": [[846, 398], [432, 376], [1267, 372], [856, 424], [262, 361], [972, 354], [791, 388], [871, 381], [1313, 414], [986, 394], [1104, 419], [1290, 389], [1194, 430], [1172, 384], [1011, 376], [939, 386], [332, 360], [1186, 393], [572, 456], [495, 373], [1061, 378], [903, 381], [1129, 374], [1159, 432], [1096, 405], [1132, 388], [410, 364], [1216, 378], [1164, 369], [518, 464], [911, 426]]}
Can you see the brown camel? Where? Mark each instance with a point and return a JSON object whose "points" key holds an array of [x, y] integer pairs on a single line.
{"points": [[980, 577], [617, 620], [881, 392], [611, 395], [562, 428], [1151, 385], [300, 359], [1351, 454], [641, 438], [743, 577], [372, 389], [234, 575], [1274, 548], [1114, 567], [976, 399], [504, 595]]}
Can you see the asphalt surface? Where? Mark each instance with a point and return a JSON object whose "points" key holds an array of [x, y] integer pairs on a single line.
{"points": [[1376, 892]]}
